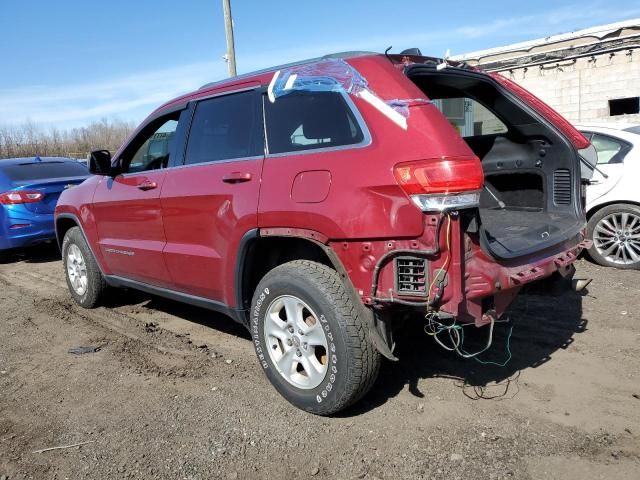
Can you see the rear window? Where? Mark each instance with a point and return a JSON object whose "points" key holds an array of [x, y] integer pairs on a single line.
{"points": [[43, 170], [304, 120]]}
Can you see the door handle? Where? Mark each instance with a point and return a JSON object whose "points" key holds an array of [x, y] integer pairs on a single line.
{"points": [[147, 185], [237, 177]]}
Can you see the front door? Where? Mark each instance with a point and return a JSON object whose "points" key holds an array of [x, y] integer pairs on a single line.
{"points": [[127, 207], [212, 201]]}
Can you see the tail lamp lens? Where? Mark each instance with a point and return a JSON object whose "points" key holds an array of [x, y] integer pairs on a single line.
{"points": [[442, 183], [17, 197]]}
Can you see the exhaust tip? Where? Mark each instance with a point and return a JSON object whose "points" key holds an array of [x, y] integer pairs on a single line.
{"points": [[580, 284]]}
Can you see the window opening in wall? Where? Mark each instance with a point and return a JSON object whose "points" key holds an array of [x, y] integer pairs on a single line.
{"points": [[623, 106]]}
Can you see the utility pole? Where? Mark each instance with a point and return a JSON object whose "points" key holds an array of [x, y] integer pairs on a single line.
{"points": [[228, 28]]}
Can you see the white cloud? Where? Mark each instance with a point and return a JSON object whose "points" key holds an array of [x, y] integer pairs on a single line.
{"points": [[75, 104], [133, 96]]}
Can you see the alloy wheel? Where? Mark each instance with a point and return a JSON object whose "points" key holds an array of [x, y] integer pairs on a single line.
{"points": [[296, 342], [617, 238], [77, 269]]}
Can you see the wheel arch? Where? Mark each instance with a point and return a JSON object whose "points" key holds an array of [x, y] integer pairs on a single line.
{"points": [[261, 251], [64, 223], [595, 209]]}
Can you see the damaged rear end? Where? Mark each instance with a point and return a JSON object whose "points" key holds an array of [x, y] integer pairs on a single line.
{"points": [[502, 208]]}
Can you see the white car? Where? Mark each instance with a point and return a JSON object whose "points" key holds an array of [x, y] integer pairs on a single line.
{"points": [[613, 198]]}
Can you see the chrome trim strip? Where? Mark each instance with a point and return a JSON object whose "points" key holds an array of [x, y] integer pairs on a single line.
{"points": [[179, 167]]}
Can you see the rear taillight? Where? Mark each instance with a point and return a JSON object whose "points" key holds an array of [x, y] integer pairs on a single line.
{"points": [[17, 197], [442, 183], [573, 135]]}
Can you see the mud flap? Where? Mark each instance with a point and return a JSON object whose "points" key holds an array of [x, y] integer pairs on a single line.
{"points": [[381, 340]]}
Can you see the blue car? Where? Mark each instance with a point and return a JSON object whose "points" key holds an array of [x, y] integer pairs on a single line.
{"points": [[29, 191]]}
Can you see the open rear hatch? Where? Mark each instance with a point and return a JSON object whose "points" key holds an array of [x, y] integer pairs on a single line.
{"points": [[531, 199]]}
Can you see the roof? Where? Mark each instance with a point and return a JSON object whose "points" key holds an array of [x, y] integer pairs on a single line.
{"points": [[597, 33], [21, 160], [248, 75]]}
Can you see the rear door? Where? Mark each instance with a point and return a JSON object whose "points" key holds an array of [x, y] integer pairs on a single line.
{"points": [[611, 154], [127, 208], [211, 201]]}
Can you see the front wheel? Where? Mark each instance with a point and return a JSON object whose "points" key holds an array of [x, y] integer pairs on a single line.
{"points": [[84, 279], [615, 231], [311, 342]]}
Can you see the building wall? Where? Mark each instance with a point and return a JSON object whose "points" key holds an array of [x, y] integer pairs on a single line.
{"points": [[581, 91]]}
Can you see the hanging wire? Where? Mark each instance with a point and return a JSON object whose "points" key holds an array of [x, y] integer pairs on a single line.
{"points": [[455, 331]]}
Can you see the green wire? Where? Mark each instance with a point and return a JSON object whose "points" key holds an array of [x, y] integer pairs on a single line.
{"points": [[454, 326], [507, 349]]}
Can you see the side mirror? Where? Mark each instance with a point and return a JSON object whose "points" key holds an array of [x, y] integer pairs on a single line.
{"points": [[100, 162]]}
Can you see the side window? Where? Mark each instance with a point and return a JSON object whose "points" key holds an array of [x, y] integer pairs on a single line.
{"points": [[610, 150], [308, 120], [470, 117], [225, 128], [151, 149]]}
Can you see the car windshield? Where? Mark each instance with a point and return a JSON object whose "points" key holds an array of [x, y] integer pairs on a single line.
{"points": [[43, 170]]}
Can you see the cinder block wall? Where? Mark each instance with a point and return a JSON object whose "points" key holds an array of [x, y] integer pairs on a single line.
{"points": [[581, 91]]}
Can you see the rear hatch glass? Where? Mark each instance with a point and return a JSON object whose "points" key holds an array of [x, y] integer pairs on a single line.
{"points": [[30, 172]]}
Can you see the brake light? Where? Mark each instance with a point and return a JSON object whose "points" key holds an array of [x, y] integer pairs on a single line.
{"points": [[17, 197], [442, 183], [573, 135]]}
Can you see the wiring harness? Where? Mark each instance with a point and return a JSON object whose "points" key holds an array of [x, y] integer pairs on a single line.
{"points": [[455, 331]]}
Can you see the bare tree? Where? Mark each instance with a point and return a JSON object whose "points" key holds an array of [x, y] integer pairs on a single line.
{"points": [[29, 139]]}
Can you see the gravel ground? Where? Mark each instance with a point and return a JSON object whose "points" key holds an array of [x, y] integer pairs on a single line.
{"points": [[176, 392]]}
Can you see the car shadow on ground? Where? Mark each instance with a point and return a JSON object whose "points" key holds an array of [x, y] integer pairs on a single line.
{"points": [[41, 253], [201, 316], [540, 325]]}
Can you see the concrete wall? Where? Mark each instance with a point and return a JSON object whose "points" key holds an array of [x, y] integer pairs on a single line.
{"points": [[581, 91]]}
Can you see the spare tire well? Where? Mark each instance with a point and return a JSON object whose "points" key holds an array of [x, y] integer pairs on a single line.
{"points": [[265, 253]]}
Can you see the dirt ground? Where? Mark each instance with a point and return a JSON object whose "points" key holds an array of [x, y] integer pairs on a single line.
{"points": [[176, 392]]}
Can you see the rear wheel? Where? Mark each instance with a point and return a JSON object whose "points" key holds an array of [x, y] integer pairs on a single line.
{"points": [[84, 279], [615, 231], [310, 340]]}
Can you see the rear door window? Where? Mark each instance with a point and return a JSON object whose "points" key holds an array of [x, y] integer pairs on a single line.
{"points": [[304, 120], [610, 150], [226, 128], [470, 117], [43, 170]]}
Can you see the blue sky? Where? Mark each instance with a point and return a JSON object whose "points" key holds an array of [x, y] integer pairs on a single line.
{"points": [[68, 62]]}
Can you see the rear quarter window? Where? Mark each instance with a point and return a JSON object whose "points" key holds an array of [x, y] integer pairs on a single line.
{"points": [[41, 171], [302, 121]]}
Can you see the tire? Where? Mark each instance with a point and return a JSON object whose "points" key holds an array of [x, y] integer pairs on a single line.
{"points": [[348, 365], [77, 257], [617, 247]]}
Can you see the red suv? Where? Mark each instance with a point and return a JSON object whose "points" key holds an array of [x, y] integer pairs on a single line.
{"points": [[318, 202]]}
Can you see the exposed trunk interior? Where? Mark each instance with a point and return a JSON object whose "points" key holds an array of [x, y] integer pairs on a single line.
{"points": [[531, 197]]}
